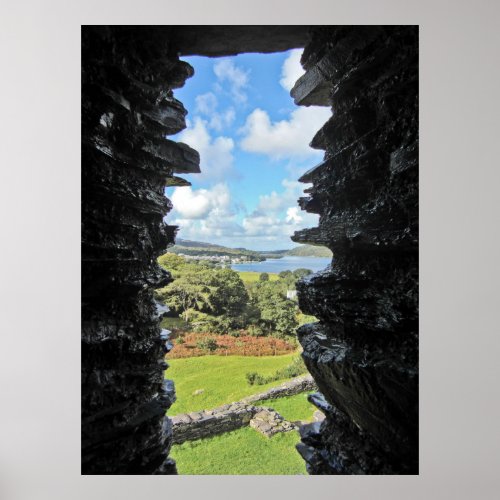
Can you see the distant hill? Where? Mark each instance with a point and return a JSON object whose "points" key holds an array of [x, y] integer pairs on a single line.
{"points": [[198, 244], [188, 247], [310, 251]]}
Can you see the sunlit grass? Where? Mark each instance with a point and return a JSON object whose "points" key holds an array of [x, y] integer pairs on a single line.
{"points": [[243, 451], [240, 452], [253, 276], [222, 379], [292, 408]]}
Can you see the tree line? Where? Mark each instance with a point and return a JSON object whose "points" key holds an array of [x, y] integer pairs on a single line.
{"points": [[215, 299]]}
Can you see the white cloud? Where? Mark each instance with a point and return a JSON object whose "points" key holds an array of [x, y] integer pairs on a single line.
{"points": [[204, 214], [277, 202], [189, 204], [292, 215], [261, 225], [219, 121], [206, 103], [211, 215], [270, 203], [286, 138], [198, 204], [221, 227], [226, 70], [274, 219], [275, 228], [291, 70], [216, 157]]}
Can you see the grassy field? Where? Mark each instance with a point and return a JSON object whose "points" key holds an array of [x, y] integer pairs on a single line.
{"points": [[292, 407], [244, 451], [240, 452], [222, 379], [253, 276]]}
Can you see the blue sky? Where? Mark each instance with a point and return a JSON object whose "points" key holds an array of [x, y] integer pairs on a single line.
{"points": [[253, 142]]}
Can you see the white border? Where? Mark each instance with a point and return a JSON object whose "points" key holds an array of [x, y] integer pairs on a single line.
{"points": [[40, 250]]}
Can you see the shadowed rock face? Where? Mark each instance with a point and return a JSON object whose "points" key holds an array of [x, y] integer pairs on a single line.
{"points": [[216, 41], [127, 109], [363, 354]]}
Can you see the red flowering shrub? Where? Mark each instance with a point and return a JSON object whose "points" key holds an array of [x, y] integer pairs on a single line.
{"points": [[227, 345]]}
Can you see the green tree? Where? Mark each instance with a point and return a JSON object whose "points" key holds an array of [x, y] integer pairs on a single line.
{"points": [[200, 288], [277, 314], [301, 273], [288, 279], [172, 262], [264, 277], [230, 296], [191, 290]]}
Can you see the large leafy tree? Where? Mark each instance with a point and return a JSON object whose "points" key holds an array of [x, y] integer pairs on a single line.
{"points": [[230, 296], [289, 278], [172, 262], [301, 273], [222, 295], [191, 290], [201, 288], [277, 314]]}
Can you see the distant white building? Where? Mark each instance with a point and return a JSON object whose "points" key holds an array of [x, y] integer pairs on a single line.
{"points": [[291, 294]]}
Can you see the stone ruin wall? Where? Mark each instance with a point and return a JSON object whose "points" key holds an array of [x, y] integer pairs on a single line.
{"points": [[227, 418], [298, 385], [363, 354], [207, 423]]}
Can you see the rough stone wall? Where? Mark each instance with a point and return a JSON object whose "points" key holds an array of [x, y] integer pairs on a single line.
{"points": [[363, 353], [207, 423], [127, 109], [297, 385]]}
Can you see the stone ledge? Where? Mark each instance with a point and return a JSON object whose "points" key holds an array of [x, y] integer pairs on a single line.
{"points": [[270, 422]]}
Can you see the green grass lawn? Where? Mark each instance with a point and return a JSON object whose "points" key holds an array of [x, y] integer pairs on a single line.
{"points": [[222, 379], [243, 451], [240, 452], [292, 407], [253, 276]]}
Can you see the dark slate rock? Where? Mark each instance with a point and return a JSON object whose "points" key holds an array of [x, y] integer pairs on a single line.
{"points": [[363, 353], [313, 88], [213, 40]]}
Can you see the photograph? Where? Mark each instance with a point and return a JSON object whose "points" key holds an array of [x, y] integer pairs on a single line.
{"points": [[250, 250]]}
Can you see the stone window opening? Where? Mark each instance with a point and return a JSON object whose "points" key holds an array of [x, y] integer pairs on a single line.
{"points": [[210, 421]]}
